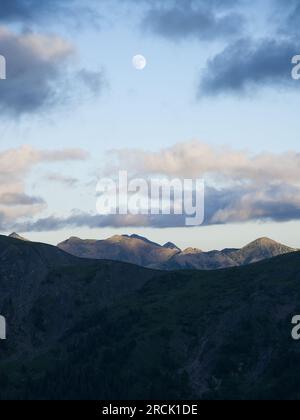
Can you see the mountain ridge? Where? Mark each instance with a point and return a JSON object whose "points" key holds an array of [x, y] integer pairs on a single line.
{"points": [[141, 251]]}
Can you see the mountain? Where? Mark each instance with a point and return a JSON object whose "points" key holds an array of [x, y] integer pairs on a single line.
{"points": [[260, 249], [132, 249], [103, 330], [256, 251], [170, 245], [14, 235], [140, 251]]}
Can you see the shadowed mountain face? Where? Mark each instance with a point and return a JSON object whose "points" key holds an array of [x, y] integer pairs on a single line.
{"points": [[142, 252], [84, 329], [44, 292]]}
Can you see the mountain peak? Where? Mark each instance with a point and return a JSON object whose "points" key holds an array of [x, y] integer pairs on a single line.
{"points": [[266, 243], [142, 238], [14, 235], [74, 239], [170, 245], [190, 251]]}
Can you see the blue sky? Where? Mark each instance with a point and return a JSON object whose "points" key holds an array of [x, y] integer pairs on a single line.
{"points": [[216, 75]]}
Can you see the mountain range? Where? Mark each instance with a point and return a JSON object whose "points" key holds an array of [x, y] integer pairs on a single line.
{"points": [[140, 251], [106, 330]]}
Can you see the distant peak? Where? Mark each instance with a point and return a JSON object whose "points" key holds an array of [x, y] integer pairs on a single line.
{"points": [[170, 245], [267, 243], [14, 235], [140, 238], [74, 239], [263, 242], [116, 238], [190, 251]]}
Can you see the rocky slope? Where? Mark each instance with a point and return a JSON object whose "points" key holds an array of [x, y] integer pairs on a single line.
{"points": [[259, 250], [133, 249], [140, 251]]}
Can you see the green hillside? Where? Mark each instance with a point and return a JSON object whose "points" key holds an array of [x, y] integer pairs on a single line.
{"points": [[86, 334]]}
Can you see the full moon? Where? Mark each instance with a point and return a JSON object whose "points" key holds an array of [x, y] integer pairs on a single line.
{"points": [[139, 62]]}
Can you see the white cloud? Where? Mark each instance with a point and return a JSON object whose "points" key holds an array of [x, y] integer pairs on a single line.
{"points": [[198, 159], [15, 166]]}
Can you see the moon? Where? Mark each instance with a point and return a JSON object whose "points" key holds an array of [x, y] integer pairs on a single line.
{"points": [[139, 62]]}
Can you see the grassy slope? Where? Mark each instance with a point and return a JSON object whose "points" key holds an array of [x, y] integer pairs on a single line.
{"points": [[211, 335]]}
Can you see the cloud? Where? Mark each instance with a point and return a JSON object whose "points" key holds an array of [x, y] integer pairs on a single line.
{"points": [[202, 20], [27, 10], [250, 59], [255, 61], [81, 219], [34, 66], [21, 199], [240, 187], [237, 204], [184, 20], [37, 72], [268, 202], [35, 11], [198, 159], [248, 64], [95, 81], [288, 14], [16, 162], [15, 166], [62, 179]]}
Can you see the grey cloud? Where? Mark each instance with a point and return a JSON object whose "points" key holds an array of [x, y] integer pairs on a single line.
{"points": [[34, 67], [95, 81], [199, 19], [248, 64], [35, 11], [26, 10], [53, 223], [12, 199], [62, 179], [37, 72], [288, 14], [237, 204]]}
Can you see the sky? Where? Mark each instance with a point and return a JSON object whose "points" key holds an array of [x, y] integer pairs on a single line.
{"points": [[215, 101]]}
